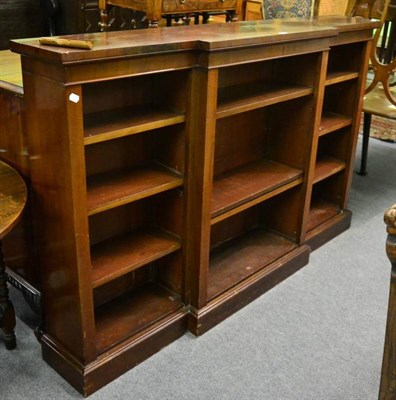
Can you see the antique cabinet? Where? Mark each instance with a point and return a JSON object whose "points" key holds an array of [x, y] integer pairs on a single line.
{"points": [[188, 194]]}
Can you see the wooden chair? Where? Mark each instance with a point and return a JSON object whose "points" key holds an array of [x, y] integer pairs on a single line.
{"points": [[380, 99], [388, 373]]}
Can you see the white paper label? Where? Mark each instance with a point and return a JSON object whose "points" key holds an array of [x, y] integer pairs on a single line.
{"points": [[75, 98]]}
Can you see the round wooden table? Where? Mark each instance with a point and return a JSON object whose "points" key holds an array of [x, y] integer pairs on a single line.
{"points": [[13, 195]]}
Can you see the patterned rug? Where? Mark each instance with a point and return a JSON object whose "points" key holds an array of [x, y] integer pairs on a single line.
{"points": [[286, 8], [383, 129]]}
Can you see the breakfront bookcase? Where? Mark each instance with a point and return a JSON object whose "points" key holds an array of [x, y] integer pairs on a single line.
{"points": [[179, 173]]}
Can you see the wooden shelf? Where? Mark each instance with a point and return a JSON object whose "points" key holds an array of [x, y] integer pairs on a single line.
{"points": [[249, 182], [334, 77], [120, 255], [331, 122], [320, 212], [237, 99], [241, 257], [327, 166], [125, 316], [112, 124], [114, 189]]}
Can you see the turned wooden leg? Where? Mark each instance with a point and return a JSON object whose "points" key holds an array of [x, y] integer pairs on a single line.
{"points": [[7, 314], [187, 19], [153, 24], [196, 19], [388, 373], [231, 16], [366, 136], [104, 24]]}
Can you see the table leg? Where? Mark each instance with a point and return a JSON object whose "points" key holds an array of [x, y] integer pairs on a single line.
{"points": [[366, 137], [7, 314]]}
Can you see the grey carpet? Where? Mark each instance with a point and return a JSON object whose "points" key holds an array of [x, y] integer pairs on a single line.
{"points": [[316, 336]]}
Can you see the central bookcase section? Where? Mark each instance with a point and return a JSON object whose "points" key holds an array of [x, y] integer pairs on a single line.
{"points": [[263, 117], [134, 161]]}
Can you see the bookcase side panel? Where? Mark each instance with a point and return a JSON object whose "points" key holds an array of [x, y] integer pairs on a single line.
{"points": [[60, 222]]}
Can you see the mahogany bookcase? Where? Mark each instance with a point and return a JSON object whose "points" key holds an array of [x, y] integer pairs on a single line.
{"points": [[179, 173]]}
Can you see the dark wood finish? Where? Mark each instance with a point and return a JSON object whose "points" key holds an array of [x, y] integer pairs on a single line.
{"points": [[332, 122], [121, 318], [388, 382], [241, 257], [244, 292], [249, 182], [233, 100], [118, 256], [184, 194], [114, 189], [13, 196], [327, 166]]}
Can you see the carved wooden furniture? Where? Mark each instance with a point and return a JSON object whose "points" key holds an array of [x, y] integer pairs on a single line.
{"points": [[380, 100], [13, 196], [388, 375], [155, 10], [188, 194], [18, 245], [254, 10]]}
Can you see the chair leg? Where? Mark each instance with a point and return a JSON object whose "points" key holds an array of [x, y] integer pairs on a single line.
{"points": [[7, 314], [366, 136]]}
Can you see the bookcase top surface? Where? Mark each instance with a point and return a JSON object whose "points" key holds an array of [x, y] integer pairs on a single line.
{"points": [[209, 37]]}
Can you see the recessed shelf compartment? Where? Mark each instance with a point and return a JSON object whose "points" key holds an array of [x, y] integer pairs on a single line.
{"points": [[250, 86], [122, 254], [249, 96], [334, 77], [111, 124], [126, 238], [137, 104], [249, 182], [113, 189], [331, 122], [126, 315], [242, 256], [321, 211], [344, 63], [327, 166]]}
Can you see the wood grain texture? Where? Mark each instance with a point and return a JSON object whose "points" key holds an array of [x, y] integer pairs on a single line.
{"points": [[115, 189], [120, 255], [13, 196], [388, 381], [242, 257], [124, 317], [332, 122], [249, 182]]}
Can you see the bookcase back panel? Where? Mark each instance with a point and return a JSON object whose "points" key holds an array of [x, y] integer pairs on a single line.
{"points": [[142, 214], [335, 144], [239, 140], [291, 132], [344, 58], [341, 98], [167, 89], [164, 146], [118, 287], [234, 226]]}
